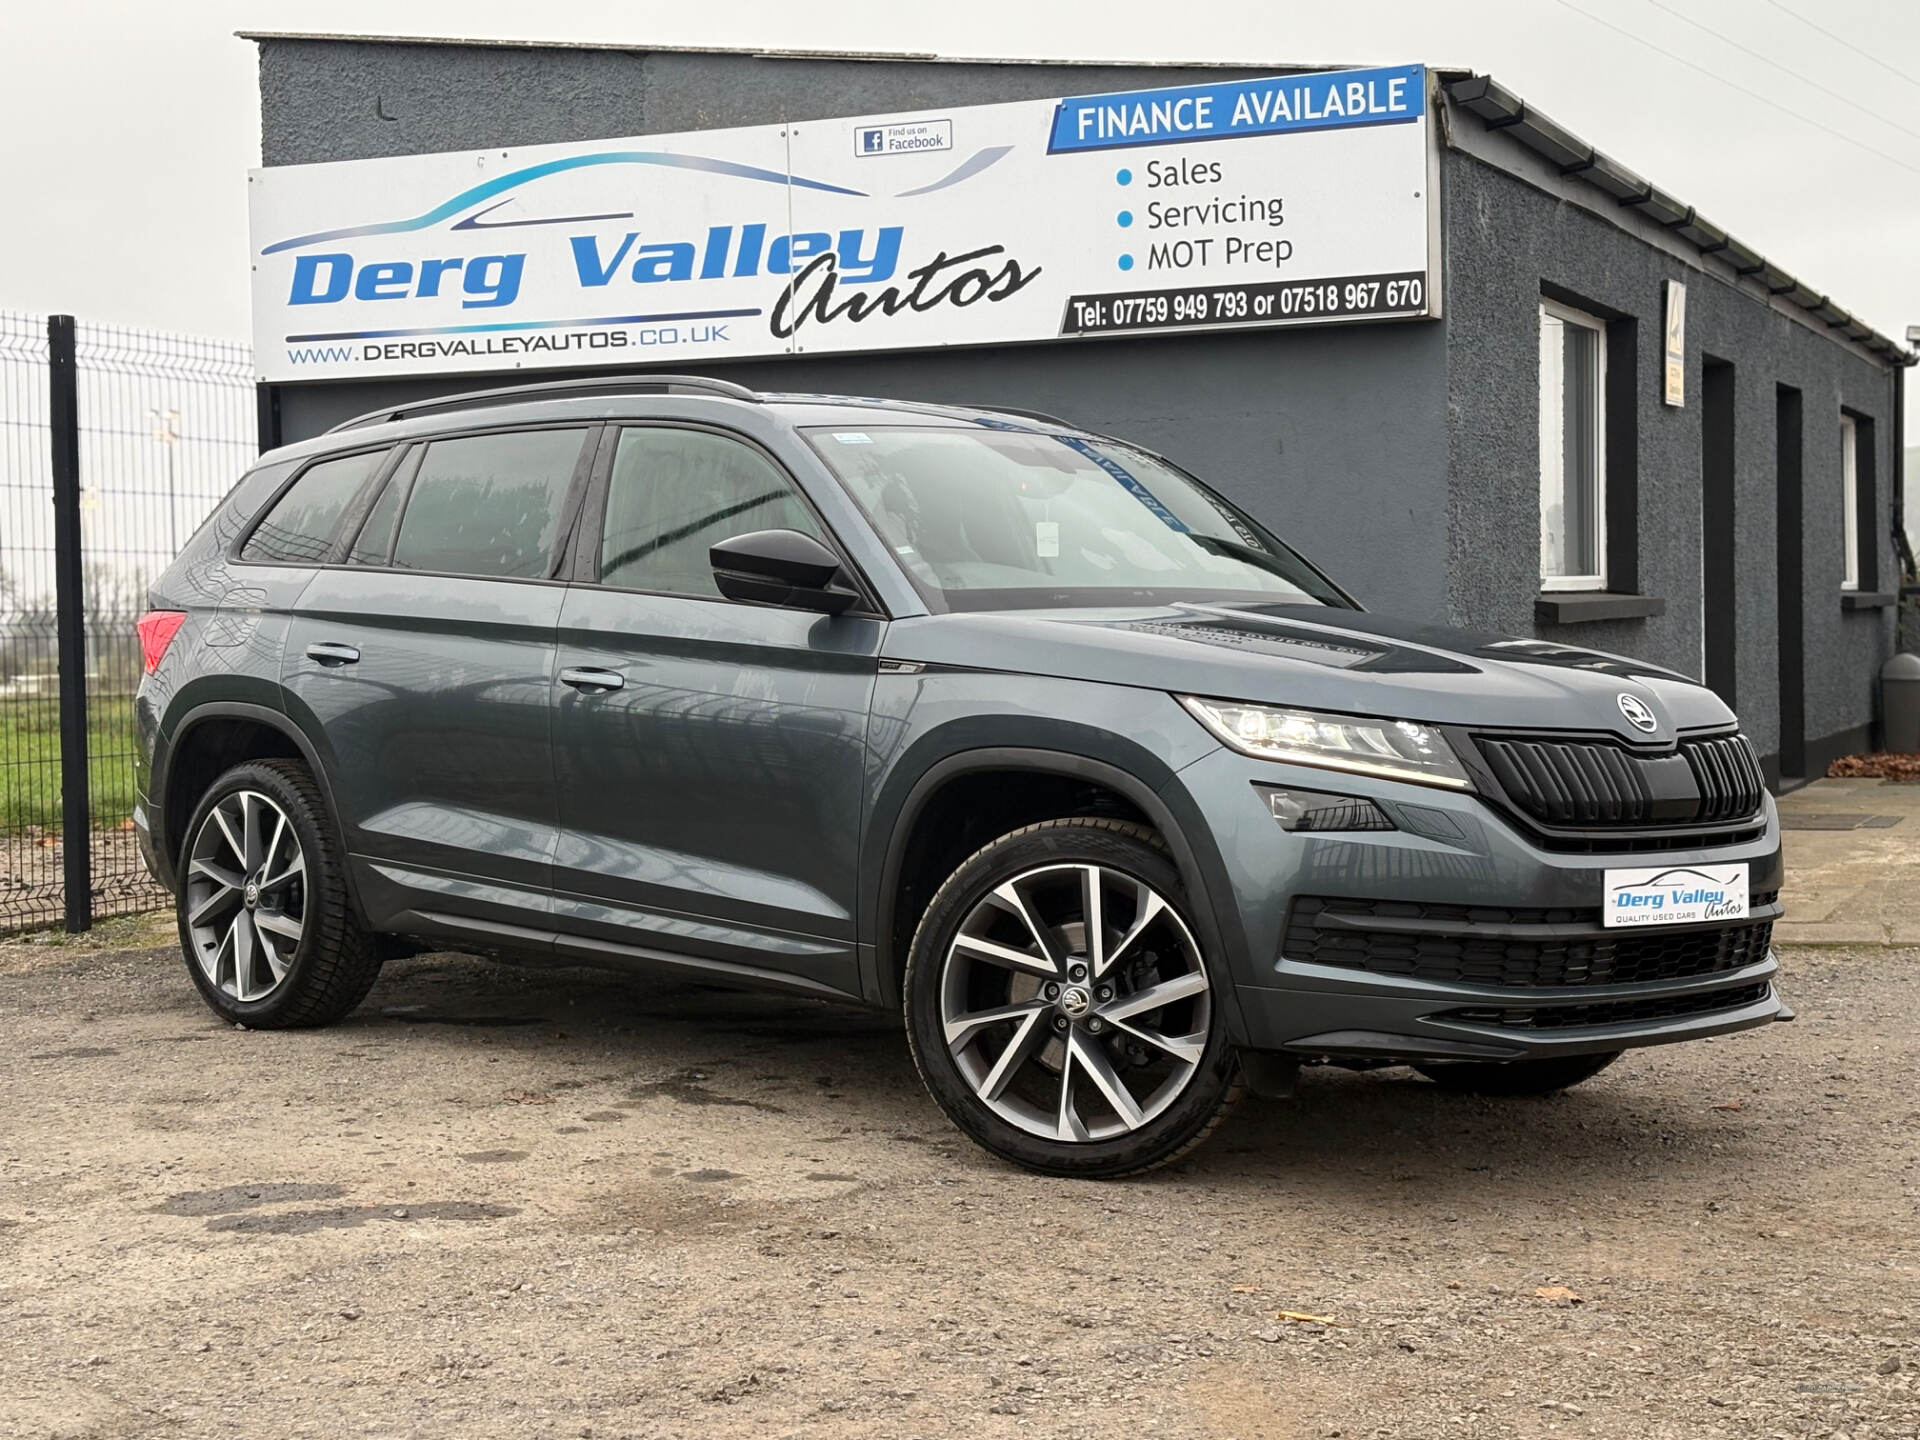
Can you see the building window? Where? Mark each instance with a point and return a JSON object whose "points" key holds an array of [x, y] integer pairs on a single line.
{"points": [[1850, 499], [1573, 461]]}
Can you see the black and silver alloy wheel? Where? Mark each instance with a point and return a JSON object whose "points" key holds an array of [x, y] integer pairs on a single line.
{"points": [[270, 934], [1062, 1009], [246, 895], [1074, 1002]]}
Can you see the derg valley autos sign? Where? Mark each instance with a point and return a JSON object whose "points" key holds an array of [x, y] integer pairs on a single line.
{"points": [[1293, 200]]}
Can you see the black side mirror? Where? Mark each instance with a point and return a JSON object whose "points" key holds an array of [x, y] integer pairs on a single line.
{"points": [[780, 567]]}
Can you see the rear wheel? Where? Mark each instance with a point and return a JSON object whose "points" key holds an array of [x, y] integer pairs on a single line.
{"points": [[1517, 1077], [1060, 1007], [269, 933]]}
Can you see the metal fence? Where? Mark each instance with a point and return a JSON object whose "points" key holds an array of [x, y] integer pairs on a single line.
{"points": [[157, 428]]}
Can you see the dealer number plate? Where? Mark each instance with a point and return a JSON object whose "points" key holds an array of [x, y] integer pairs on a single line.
{"points": [[1676, 894]]}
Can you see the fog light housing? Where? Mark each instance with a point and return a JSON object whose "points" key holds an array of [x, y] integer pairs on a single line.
{"points": [[1315, 810]]}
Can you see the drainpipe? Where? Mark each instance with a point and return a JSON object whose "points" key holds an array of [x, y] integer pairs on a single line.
{"points": [[1909, 587], [1903, 543]]}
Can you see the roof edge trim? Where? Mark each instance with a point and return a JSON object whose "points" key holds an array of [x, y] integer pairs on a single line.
{"points": [[1498, 108]]}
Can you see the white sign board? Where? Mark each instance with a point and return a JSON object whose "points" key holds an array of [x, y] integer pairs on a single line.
{"points": [[1675, 391], [1675, 894], [1294, 200]]}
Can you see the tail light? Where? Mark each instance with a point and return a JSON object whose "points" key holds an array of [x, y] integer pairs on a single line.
{"points": [[156, 629]]}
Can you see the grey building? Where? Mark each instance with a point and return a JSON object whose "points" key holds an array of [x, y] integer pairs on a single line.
{"points": [[1511, 466]]}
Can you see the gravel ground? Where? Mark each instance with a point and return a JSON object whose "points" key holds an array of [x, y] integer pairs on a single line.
{"points": [[502, 1202]]}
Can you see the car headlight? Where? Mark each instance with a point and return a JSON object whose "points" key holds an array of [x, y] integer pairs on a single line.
{"points": [[1395, 749]]}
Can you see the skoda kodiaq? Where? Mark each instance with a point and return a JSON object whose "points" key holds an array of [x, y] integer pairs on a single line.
{"points": [[1018, 727]]}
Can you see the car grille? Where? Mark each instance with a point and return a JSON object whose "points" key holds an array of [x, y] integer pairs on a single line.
{"points": [[1474, 945], [1589, 784], [1610, 1012]]}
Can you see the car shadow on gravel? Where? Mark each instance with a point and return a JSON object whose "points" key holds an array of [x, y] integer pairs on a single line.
{"points": [[1345, 1132], [697, 1045], [670, 1041]]}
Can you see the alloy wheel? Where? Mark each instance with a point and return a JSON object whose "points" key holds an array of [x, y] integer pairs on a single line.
{"points": [[246, 895], [1074, 1002]]}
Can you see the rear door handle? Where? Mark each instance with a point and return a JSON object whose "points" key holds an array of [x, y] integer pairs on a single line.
{"points": [[327, 653], [591, 681]]}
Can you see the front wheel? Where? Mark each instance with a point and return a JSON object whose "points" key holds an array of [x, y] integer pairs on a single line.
{"points": [[1060, 1007], [1517, 1077], [269, 932]]}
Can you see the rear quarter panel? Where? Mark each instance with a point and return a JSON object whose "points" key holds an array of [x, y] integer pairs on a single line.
{"points": [[228, 649]]}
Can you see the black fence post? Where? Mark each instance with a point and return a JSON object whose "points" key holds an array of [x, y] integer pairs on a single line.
{"points": [[63, 415]]}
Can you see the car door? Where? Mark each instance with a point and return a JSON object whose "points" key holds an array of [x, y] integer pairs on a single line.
{"points": [[709, 755], [422, 664]]}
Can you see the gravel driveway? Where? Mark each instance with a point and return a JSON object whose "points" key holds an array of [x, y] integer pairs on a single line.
{"points": [[504, 1202]]}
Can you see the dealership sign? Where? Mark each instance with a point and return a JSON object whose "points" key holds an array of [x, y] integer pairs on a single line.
{"points": [[1293, 200]]}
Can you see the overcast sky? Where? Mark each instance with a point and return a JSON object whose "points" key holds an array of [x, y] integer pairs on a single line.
{"points": [[127, 126]]}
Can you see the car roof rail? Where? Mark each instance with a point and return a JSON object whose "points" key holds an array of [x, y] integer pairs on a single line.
{"points": [[1040, 415], [554, 389]]}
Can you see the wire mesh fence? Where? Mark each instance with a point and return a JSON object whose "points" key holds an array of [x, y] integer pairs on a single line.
{"points": [[166, 423], [30, 889]]}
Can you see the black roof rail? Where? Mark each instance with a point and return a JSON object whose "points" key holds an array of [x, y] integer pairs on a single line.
{"points": [[1024, 415], [559, 389]]}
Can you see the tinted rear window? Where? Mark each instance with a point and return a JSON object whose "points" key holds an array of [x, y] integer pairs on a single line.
{"points": [[375, 540], [300, 528], [489, 504]]}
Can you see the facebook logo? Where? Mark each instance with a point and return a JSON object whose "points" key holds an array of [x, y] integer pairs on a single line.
{"points": [[907, 138]]}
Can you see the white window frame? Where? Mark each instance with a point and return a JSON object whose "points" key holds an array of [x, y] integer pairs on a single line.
{"points": [[1554, 415], [1850, 500]]}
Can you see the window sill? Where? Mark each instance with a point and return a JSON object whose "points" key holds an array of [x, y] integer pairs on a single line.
{"points": [[1576, 607], [1867, 599]]}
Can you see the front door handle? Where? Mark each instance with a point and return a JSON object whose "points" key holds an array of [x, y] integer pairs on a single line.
{"points": [[327, 653], [592, 681]]}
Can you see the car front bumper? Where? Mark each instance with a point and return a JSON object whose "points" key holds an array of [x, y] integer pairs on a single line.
{"points": [[1454, 854]]}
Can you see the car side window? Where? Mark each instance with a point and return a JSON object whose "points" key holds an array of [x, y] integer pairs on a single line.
{"points": [[300, 528], [674, 494], [489, 504], [375, 541]]}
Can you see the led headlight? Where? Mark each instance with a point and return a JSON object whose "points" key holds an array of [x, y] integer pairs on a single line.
{"points": [[1395, 749]]}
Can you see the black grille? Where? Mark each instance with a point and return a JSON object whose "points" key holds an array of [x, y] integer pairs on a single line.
{"points": [[1635, 842], [1474, 945], [1585, 784], [1610, 1012], [1727, 776]]}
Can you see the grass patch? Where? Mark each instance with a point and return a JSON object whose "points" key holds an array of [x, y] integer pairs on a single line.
{"points": [[146, 931], [30, 763]]}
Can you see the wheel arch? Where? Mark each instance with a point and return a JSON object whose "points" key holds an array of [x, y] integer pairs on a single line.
{"points": [[205, 723], [887, 967]]}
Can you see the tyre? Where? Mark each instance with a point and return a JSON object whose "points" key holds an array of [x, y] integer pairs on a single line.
{"points": [[266, 925], [1517, 1077], [1060, 1008]]}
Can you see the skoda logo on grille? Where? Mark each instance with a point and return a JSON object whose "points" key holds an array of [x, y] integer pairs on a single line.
{"points": [[1637, 713]]}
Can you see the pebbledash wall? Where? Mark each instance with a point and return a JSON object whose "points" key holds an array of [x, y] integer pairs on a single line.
{"points": [[1403, 456]]}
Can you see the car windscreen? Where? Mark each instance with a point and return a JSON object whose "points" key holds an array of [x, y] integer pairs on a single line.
{"points": [[991, 519]]}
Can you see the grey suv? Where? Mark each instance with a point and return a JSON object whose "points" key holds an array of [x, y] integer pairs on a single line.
{"points": [[972, 712]]}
